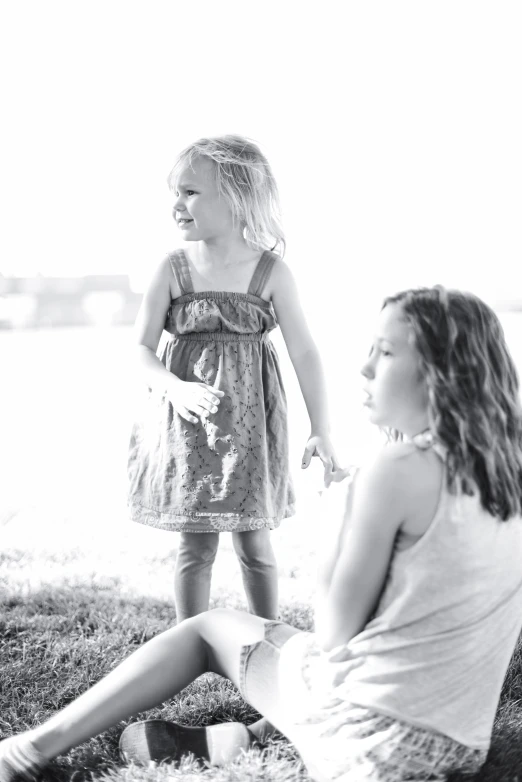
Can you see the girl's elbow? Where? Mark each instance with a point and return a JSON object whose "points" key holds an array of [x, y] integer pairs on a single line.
{"points": [[331, 637], [143, 347], [328, 639], [305, 358], [336, 627], [325, 643], [326, 633]]}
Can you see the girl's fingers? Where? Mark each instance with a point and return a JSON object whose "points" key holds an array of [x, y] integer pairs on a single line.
{"points": [[214, 392], [328, 470], [209, 405], [337, 475], [307, 455], [327, 464], [205, 410], [340, 474], [200, 411], [184, 413]]}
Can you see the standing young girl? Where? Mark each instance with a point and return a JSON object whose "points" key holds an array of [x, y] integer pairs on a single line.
{"points": [[212, 455], [419, 599]]}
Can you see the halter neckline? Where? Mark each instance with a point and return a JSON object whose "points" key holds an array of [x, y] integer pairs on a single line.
{"points": [[423, 440]]}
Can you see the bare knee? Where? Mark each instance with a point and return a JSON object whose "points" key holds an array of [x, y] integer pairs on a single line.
{"points": [[217, 617], [226, 625]]}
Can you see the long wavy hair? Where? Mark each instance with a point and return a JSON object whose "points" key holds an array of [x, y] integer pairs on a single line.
{"points": [[245, 180], [473, 388]]}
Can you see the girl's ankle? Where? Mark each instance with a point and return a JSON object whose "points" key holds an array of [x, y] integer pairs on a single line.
{"points": [[42, 744], [20, 759]]}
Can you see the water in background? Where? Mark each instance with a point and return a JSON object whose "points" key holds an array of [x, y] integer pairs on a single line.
{"points": [[67, 404]]}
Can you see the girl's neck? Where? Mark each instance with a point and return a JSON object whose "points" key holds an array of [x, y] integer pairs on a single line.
{"points": [[418, 424], [229, 251], [418, 433]]}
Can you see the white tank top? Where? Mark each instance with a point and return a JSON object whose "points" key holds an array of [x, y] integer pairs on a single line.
{"points": [[436, 652]]}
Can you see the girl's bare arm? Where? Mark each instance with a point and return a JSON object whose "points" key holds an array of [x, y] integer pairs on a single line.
{"points": [[400, 488], [353, 576], [193, 401], [149, 328], [306, 361]]}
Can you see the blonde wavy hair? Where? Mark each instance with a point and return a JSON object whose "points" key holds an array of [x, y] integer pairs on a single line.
{"points": [[245, 180], [474, 401]]}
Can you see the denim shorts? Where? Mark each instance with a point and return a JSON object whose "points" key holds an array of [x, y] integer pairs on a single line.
{"points": [[259, 669], [356, 743]]}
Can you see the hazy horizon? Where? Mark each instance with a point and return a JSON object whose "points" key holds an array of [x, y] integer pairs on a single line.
{"points": [[392, 130]]}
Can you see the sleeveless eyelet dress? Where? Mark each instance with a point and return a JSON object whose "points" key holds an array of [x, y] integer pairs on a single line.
{"points": [[230, 472]]}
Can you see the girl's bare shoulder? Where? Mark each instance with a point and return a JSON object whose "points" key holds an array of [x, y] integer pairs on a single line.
{"points": [[405, 472], [406, 462], [421, 476]]}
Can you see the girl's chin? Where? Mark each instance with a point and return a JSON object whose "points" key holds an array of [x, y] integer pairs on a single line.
{"points": [[376, 419], [371, 412]]}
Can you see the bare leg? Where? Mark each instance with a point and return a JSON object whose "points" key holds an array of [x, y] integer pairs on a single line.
{"points": [[196, 555], [259, 571], [156, 672], [211, 641]]}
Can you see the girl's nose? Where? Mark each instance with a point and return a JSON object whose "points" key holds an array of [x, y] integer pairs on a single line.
{"points": [[367, 369], [179, 206]]}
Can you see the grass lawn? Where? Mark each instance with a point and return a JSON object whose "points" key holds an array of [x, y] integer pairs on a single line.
{"points": [[60, 637], [59, 634]]}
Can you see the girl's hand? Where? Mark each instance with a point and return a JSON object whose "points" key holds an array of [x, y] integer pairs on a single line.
{"points": [[321, 446], [190, 399], [341, 474]]}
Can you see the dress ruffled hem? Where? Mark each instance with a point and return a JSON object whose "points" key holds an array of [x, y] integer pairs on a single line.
{"points": [[205, 522]]}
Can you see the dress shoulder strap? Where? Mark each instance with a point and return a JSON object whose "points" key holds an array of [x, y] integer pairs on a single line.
{"points": [[262, 273], [181, 271]]}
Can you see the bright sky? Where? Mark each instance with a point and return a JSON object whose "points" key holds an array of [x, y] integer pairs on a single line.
{"points": [[394, 129]]}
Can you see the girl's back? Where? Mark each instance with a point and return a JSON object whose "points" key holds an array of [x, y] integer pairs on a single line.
{"points": [[430, 663], [447, 620]]}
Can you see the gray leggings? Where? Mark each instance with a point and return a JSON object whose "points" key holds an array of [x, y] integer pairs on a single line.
{"points": [[196, 555]]}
